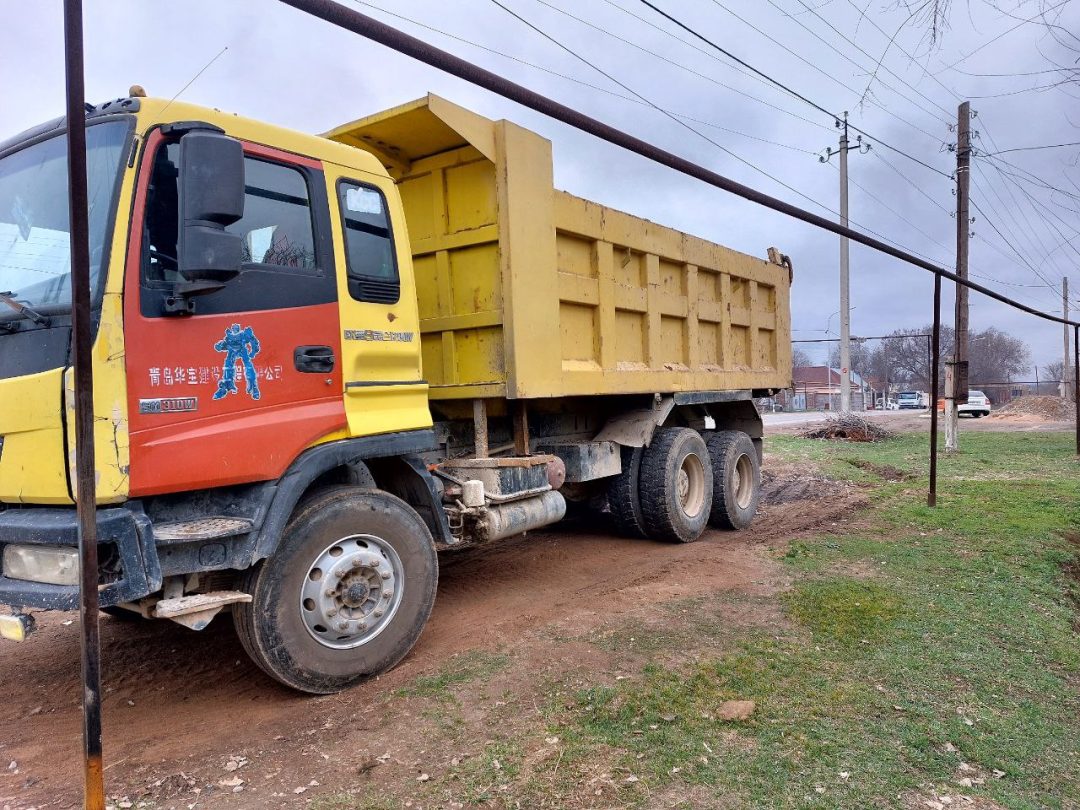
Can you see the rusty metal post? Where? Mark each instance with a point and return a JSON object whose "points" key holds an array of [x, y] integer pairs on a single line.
{"points": [[85, 491], [480, 428], [521, 427], [935, 352], [1076, 382]]}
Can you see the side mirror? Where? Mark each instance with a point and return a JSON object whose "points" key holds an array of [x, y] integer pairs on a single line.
{"points": [[211, 197]]}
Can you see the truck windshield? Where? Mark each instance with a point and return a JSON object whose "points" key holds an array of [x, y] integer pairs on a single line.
{"points": [[35, 255]]}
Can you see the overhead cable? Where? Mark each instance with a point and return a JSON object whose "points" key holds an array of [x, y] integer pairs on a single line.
{"points": [[372, 29]]}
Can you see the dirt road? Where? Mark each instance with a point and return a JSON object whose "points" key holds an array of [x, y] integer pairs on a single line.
{"points": [[187, 715]]}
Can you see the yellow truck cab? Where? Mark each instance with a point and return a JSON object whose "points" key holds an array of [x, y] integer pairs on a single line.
{"points": [[320, 360]]}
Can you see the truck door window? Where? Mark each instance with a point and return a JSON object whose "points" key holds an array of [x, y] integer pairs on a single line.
{"points": [[285, 238], [276, 225], [369, 244]]}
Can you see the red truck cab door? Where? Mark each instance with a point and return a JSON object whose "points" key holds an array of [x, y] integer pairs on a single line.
{"points": [[234, 392]]}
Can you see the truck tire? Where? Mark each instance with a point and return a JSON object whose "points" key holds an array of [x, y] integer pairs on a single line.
{"points": [[345, 595], [736, 479], [623, 499], [675, 485]]}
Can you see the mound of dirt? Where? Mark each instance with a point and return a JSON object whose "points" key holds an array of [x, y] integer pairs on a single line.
{"points": [[849, 427], [789, 487], [1052, 409]]}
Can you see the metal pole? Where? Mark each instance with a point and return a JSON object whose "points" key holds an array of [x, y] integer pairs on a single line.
{"points": [[1076, 382], [85, 484], [845, 290], [1065, 356], [935, 351]]}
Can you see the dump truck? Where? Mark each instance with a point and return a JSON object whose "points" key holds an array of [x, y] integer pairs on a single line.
{"points": [[321, 361]]}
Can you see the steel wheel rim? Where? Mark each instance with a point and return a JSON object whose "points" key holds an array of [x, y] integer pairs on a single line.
{"points": [[690, 486], [351, 591], [742, 481]]}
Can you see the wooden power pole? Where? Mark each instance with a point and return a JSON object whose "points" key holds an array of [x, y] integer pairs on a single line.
{"points": [[956, 388]]}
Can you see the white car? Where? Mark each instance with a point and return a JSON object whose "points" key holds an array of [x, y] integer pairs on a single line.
{"points": [[978, 404]]}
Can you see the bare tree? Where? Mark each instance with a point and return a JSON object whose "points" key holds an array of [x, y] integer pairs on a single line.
{"points": [[1060, 47], [995, 356], [799, 357]]}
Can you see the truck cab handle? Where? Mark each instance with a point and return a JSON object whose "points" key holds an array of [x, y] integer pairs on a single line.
{"points": [[314, 359]]}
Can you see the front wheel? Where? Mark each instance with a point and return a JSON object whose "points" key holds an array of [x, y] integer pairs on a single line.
{"points": [[736, 479], [344, 596]]}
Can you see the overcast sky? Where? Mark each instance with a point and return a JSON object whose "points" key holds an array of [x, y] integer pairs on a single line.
{"points": [[287, 68]]}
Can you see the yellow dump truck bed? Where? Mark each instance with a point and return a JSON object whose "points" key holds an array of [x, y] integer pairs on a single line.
{"points": [[526, 291]]}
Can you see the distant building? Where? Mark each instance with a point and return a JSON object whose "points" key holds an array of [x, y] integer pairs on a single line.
{"points": [[817, 388]]}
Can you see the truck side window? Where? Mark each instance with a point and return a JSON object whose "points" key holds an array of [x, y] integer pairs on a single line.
{"points": [[369, 244], [276, 225], [286, 230]]}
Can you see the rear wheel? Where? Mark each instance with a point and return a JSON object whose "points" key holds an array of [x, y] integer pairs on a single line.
{"points": [[736, 479], [345, 595], [623, 499], [675, 486]]}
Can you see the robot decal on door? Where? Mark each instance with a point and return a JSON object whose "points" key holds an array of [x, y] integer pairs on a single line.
{"points": [[239, 345]]}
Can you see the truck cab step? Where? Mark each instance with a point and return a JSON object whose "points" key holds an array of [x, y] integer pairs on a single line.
{"points": [[209, 528], [196, 610]]}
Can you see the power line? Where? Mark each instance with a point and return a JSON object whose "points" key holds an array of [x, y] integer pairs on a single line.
{"points": [[1029, 235], [1008, 188], [787, 89], [629, 89], [1003, 33], [715, 58], [901, 217], [1033, 148], [679, 65], [825, 73], [1011, 246], [583, 83], [372, 29], [1006, 93], [910, 56], [867, 54], [909, 181], [1029, 177]]}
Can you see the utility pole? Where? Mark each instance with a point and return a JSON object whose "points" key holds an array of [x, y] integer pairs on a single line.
{"points": [[956, 390], [1066, 368], [845, 288]]}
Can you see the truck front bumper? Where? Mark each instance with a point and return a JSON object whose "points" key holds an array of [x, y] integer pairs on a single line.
{"points": [[128, 562]]}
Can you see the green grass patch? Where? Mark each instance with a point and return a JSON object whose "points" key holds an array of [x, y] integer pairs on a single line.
{"points": [[960, 648], [844, 609], [467, 667]]}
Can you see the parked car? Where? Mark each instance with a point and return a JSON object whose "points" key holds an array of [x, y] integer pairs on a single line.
{"points": [[978, 404]]}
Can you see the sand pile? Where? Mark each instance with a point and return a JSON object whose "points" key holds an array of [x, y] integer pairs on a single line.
{"points": [[1052, 409]]}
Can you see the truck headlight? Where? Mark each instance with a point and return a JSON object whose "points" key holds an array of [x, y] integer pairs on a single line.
{"points": [[52, 565]]}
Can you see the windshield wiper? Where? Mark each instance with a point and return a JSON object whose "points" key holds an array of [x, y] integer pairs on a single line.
{"points": [[23, 310]]}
